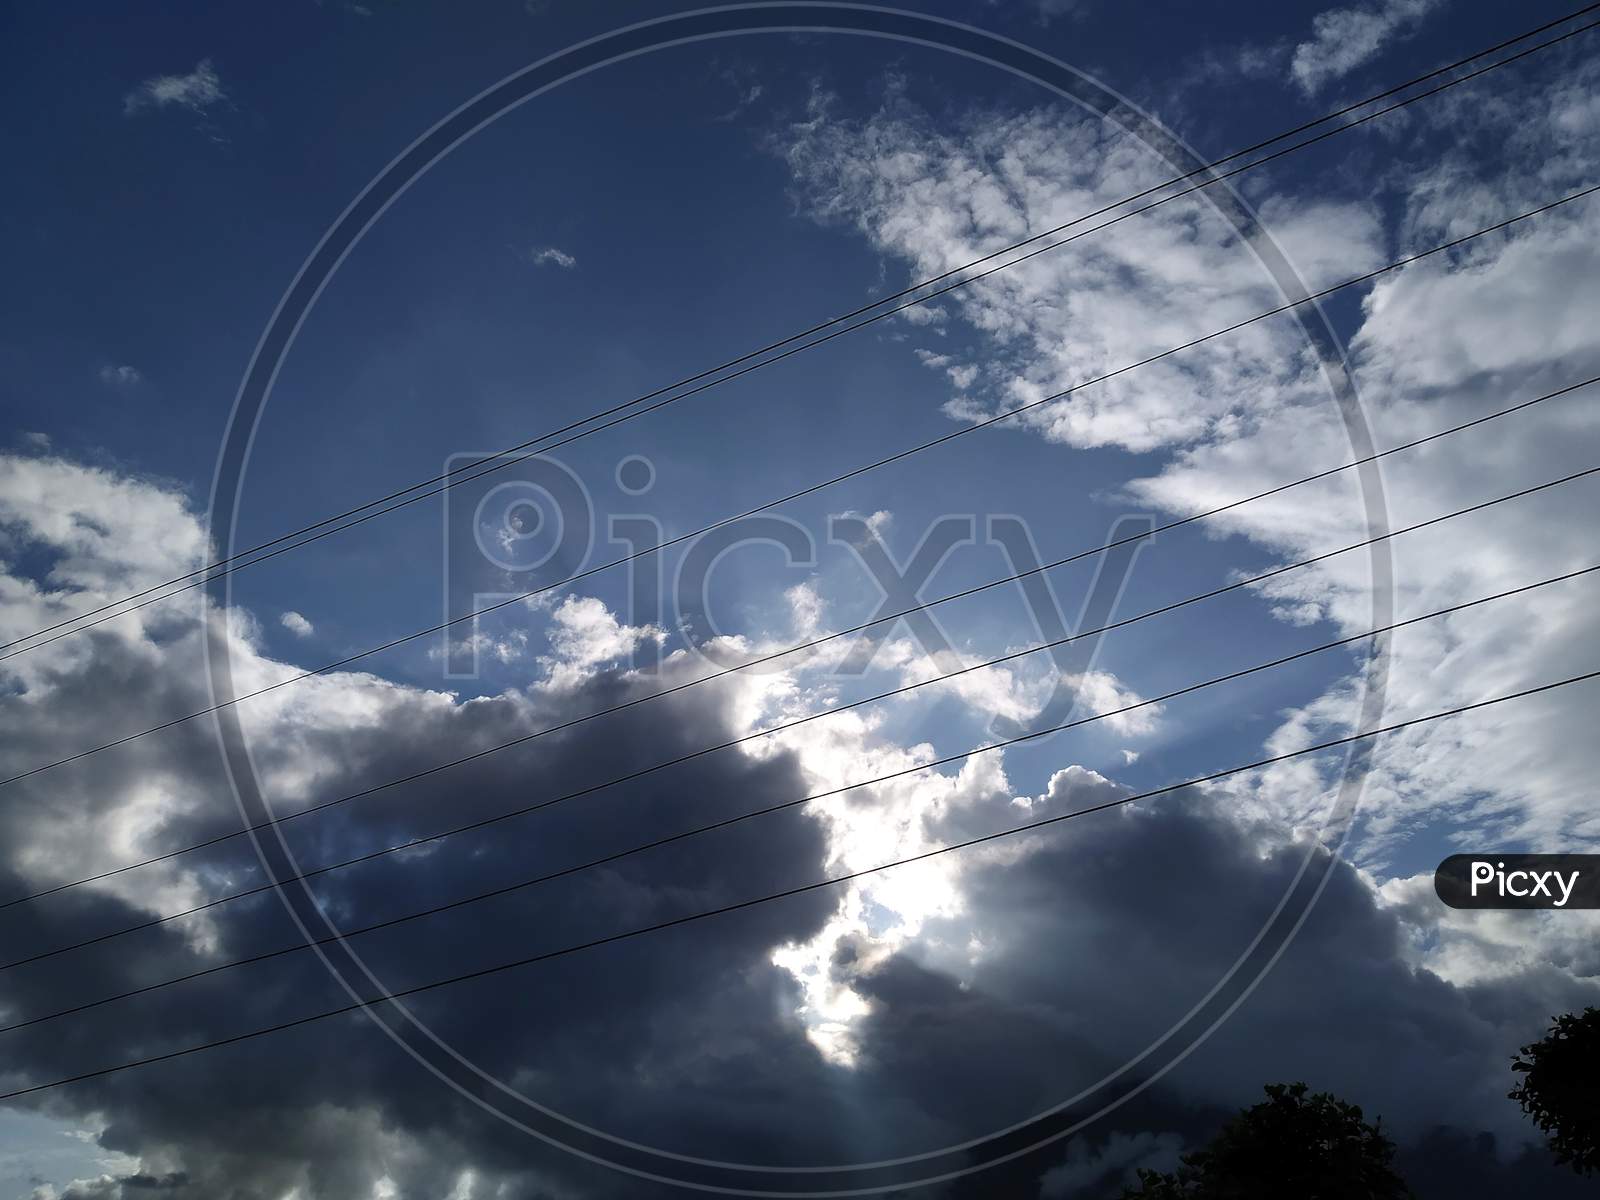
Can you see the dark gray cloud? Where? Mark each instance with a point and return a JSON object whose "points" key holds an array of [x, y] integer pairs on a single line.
{"points": [[619, 1036], [1106, 931], [1071, 951]]}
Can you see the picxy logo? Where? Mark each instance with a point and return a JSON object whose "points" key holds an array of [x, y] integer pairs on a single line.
{"points": [[1563, 881], [1522, 884]]}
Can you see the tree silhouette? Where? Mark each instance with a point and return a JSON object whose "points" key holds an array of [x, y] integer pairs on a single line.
{"points": [[1560, 1088], [1314, 1147]]}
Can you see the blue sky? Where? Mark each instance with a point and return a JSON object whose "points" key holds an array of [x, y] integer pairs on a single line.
{"points": [[442, 334], [645, 222]]}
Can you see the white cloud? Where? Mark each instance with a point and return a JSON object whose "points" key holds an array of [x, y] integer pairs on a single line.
{"points": [[296, 624], [877, 522], [120, 377], [1343, 39], [963, 375], [327, 733], [584, 636], [1439, 343], [504, 647], [936, 202], [1467, 948], [747, 93], [1548, 276], [551, 256], [112, 535], [198, 90], [1241, 416]]}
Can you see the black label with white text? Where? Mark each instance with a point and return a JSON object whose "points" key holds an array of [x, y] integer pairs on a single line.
{"points": [[1519, 881]]}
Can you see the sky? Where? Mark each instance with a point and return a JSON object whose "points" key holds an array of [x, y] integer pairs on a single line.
{"points": [[1111, 986]]}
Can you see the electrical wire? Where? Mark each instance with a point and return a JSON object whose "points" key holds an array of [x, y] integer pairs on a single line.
{"points": [[539, 806], [809, 644], [514, 454], [617, 856], [770, 897], [986, 423]]}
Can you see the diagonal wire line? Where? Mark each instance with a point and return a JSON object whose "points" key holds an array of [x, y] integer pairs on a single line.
{"points": [[986, 423], [617, 856], [908, 291], [512, 455], [551, 802], [806, 645], [817, 885]]}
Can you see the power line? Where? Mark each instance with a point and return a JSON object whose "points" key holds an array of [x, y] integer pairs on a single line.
{"points": [[617, 856], [813, 488], [513, 454], [538, 806], [660, 926], [807, 645]]}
